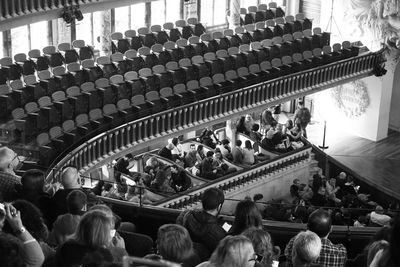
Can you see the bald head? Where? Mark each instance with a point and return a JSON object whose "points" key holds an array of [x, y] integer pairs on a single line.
{"points": [[70, 178], [320, 222], [7, 159]]}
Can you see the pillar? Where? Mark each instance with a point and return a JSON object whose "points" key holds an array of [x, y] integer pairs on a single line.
{"points": [[105, 35], [234, 17], [230, 131]]}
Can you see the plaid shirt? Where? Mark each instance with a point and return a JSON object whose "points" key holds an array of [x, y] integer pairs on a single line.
{"points": [[7, 183], [330, 256]]}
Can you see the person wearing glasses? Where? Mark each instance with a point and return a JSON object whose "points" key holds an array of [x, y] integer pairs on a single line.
{"points": [[8, 179], [233, 251]]}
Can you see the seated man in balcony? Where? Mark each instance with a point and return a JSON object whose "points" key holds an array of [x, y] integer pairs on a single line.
{"points": [[225, 149], [202, 224], [237, 153], [320, 222], [191, 160], [179, 180], [208, 170], [255, 135]]}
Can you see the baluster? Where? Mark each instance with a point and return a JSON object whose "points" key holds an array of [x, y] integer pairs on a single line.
{"points": [[151, 127], [169, 122], [160, 125], [200, 113], [146, 133], [7, 13], [245, 98], [210, 111]]}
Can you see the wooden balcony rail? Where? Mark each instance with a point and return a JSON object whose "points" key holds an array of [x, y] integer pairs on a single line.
{"points": [[138, 133], [245, 177]]}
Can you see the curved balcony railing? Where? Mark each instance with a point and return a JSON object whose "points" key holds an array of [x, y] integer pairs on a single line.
{"points": [[241, 179], [137, 134]]}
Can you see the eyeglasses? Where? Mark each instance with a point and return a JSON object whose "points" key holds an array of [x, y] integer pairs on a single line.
{"points": [[256, 257]]}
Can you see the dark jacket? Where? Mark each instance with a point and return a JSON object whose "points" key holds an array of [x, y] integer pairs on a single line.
{"points": [[203, 228], [268, 144], [180, 179], [165, 153], [237, 155]]}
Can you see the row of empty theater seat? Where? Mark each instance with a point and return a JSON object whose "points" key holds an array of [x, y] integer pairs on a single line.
{"points": [[252, 32], [35, 61], [182, 71], [176, 57], [156, 35], [261, 13], [106, 104]]}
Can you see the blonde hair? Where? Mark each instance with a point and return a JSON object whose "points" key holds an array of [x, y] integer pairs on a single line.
{"points": [[94, 229], [174, 243], [230, 252]]}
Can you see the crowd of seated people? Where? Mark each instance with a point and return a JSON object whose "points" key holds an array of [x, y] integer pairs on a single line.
{"points": [[66, 225], [339, 195]]}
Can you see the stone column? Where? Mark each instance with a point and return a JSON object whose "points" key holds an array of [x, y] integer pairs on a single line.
{"points": [[234, 17], [230, 131], [105, 35]]}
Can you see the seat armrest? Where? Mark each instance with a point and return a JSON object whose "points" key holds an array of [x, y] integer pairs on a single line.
{"points": [[150, 103]]}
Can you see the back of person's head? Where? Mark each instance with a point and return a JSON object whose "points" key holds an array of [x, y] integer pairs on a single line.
{"points": [[270, 133], [174, 243], [209, 154], [129, 156], [7, 157], [306, 248], [238, 143], [32, 219], [174, 141], [246, 215], [94, 229], [233, 251], [374, 248], [248, 145], [70, 178], [225, 142], [33, 181], [212, 198], [320, 222], [200, 147], [255, 127], [76, 202], [262, 244], [2, 215], [11, 251]]}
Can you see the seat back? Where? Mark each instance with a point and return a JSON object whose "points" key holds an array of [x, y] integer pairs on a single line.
{"points": [[138, 100], [123, 104], [95, 114], [166, 92], [43, 139], [73, 91], [68, 126], [55, 132], [131, 75], [109, 109], [152, 96], [82, 119], [137, 244]]}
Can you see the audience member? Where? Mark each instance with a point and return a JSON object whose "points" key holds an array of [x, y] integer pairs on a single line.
{"points": [[220, 165], [306, 249], [206, 139], [295, 133], [208, 169], [165, 152], [70, 180], [203, 224], [262, 244], [180, 181], [161, 180], [267, 120], [122, 166], [331, 190], [237, 153], [255, 134], [319, 199], [245, 124], [225, 149], [190, 158], [32, 190], [8, 179], [320, 223], [33, 221], [174, 244], [200, 153], [233, 251], [267, 143], [26, 248], [248, 153], [374, 248], [66, 224], [287, 127], [302, 116], [378, 217], [177, 151], [95, 231], [247, 215], [278, 137]]}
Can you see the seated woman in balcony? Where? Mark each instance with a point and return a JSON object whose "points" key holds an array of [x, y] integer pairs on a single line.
{"points": [[248, 153], [245, 124], [161, 180], [208, 138], [247, 216]]}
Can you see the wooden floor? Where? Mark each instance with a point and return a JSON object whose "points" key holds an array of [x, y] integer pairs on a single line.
{"points": [[378, 163]]}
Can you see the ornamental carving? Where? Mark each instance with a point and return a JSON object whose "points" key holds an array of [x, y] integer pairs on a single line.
{"points": [[352, 98]]}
